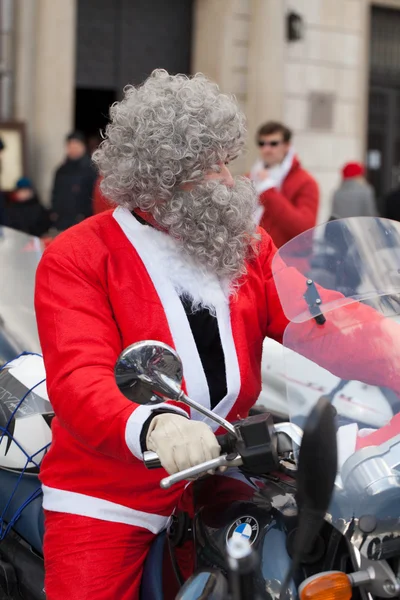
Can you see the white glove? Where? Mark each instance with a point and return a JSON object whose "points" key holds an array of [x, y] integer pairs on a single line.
{"points": [[181, 443]]}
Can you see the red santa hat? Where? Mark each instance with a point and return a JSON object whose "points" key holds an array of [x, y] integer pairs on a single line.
{"points": [[353, 169]]}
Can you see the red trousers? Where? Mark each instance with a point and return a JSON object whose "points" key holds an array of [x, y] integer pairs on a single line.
{"points": [[89, 559]]}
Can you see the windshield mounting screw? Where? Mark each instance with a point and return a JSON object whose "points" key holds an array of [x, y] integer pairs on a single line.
{"points": [[309, 281]]}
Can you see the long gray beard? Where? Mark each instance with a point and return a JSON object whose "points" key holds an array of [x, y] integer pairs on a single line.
{"points": [[214, 224]]}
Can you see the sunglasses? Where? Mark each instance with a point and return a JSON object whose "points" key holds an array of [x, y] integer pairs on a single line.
{"points": [[272, 144]]}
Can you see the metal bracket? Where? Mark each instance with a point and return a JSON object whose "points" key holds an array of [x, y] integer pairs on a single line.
{"points": [[377, 578], [314, 302]]}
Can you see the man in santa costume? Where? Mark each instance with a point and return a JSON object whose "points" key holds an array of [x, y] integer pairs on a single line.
{"points": [[288, 194], [181, 261]]}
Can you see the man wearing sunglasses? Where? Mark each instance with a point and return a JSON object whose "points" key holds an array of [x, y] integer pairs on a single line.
{"points": [[288, 194]]}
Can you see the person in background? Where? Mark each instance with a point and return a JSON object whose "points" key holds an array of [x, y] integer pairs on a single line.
{"points": [[355, 197], [74, 181], [100, 202], [288, 194], [24, 210]]}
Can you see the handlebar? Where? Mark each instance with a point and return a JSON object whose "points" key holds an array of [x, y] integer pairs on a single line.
{"points": [[226, 442], [230, 457], [151, 460]]}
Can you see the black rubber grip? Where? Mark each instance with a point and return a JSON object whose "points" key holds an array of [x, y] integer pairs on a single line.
{"points": [[227, 443]]}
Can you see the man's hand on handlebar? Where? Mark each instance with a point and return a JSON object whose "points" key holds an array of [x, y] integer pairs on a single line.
{"points": [[181, 443]]}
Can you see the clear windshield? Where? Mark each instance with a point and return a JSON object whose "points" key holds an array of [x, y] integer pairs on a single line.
{"points": [[19, 256], [358, 257], [344, 342]]}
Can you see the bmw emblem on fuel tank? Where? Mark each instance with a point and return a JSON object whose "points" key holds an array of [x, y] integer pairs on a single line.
{"points": [[244, 527]]}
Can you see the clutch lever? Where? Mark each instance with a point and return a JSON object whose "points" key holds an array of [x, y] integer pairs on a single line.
{"points": [[152, 461], [225, 460]]}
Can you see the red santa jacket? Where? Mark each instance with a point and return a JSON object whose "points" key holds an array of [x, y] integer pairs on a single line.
{"points": [[293, 209], [109, 282]]}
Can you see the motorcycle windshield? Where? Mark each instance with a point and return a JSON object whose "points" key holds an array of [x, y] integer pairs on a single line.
{"points": [[358, 257], [19, 257], [343, 342]]}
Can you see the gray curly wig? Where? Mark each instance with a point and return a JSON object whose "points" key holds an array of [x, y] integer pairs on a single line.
{"points": [[170, 130]]}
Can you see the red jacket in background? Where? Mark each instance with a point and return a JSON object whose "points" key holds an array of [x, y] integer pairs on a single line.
{"points": [[100, 202], [293, 209]]}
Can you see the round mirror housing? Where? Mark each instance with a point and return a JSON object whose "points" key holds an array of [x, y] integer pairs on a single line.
{"points": [[149, 371]]}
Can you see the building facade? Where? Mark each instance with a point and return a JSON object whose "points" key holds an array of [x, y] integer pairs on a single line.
{"points": [[320, 84]]}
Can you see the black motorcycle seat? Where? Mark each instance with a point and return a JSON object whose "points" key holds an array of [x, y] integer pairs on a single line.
{"points": [[152, 579]]}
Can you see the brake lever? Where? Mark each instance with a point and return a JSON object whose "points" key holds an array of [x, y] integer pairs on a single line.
{"points": [[225, 460]]}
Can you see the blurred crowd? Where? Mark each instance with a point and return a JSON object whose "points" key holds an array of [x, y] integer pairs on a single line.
{"points": [[289, 195], [75, 195]]}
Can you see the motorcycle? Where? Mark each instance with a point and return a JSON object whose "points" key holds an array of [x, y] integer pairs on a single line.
{"points": [[20, 253], [262, 529]]}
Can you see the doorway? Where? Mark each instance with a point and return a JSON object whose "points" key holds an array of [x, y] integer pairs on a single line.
{"points": [[120, 42], [383, 158], [92, 113]]}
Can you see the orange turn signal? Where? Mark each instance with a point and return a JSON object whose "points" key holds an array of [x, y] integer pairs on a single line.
{"points": [[332, 585]]}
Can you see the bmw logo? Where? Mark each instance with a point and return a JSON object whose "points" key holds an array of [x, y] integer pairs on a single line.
{"points": [[245, 527]]}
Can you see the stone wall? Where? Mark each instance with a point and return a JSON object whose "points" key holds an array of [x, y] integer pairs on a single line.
{"points": [[45, 83], [241, 44], [221, 48], [332, 59], [244, 48]]}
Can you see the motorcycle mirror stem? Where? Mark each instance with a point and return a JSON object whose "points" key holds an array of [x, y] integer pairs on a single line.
{"points": [[243, 564], [316, 475], [148, 371]]}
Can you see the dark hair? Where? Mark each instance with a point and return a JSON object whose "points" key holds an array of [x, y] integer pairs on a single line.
{"points": [[275, 127], [76, 135]]}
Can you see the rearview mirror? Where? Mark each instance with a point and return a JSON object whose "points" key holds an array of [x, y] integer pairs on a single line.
{"points": [[149, 372], [317, 469], [146, 371]]}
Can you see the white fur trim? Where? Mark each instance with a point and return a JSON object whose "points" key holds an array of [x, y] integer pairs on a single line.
{"points": [[264, 185], [258, 213], [145, 243], [136, 421], [277, 174], [86, 506], [172, 273], [182, 271], [255, 169]]}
